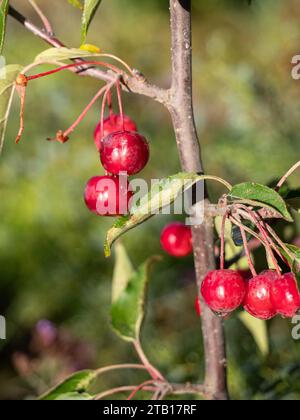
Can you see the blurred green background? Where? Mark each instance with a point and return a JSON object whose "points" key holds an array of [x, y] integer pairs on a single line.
{"points": [[51, 248]]}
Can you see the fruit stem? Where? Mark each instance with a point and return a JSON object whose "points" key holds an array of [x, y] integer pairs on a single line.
{"points": [[109, 103], [222, 251], [72, 65], [22, 92], [120, 103], [280, 242], [247, 251], [106, 96], [257, 221], [86, 110]]}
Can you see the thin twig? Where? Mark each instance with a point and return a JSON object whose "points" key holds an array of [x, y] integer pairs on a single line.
{"points": [[43, 17], [140, 388], [156, 375], [135, 84], [287, 175], [119, 390], [112, 368]]}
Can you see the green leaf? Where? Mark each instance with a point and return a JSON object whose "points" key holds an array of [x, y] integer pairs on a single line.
{"points": [[123, 271], [259, 331], [62, 54], [75, 385], [89, 10], [261, 196], [76, 3], [161, 195], [8, 76], [127, 312], [74, 396], [3, 17]]}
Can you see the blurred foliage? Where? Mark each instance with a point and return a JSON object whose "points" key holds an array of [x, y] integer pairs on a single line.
{"points": [[51, 259]]}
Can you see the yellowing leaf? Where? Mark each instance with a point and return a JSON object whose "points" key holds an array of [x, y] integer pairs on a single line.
{"points": [[90, 48]]}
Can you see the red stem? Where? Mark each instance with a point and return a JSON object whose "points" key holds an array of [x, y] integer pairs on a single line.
{"points": [[120, 103], [109, 103], [222, 252], [140, 388], [86, 110], [247, 251], [72, 65]]}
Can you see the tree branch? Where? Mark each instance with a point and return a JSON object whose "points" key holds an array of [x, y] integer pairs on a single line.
{"points": [[137, 84], [190, 154]]}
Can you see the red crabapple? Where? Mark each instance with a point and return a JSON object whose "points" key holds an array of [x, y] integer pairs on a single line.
{"points": [[108, 195], [258, 301], [176, 239], [285, 295], [223, 291], [124, 151], [112, 124]]}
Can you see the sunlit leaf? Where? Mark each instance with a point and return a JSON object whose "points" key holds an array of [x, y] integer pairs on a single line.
{"points": [[3, 17], [75, 386], [161, 195], [259, 331], [127, 312], [89, 10], [8, 76], [259, 195], [63, 53]]}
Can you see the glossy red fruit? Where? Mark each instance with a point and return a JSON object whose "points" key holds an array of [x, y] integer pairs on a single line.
{"points": [[124, 151], [176, 240], [113, 124], [198, 306], [285, 295], [223, 291], [258, 301], [107, 195]]}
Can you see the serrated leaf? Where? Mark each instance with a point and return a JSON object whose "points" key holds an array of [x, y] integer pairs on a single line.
{"points": [[3, 18], [127, 312], [123, 271], [62, 54], [76, 3], [259, 331], [76, 384], [8, 76], [261, 196], [89, 10], [161, 195]]}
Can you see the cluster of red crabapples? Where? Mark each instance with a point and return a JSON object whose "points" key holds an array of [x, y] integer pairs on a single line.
{"points": [[263, 296], [122, 151]]}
